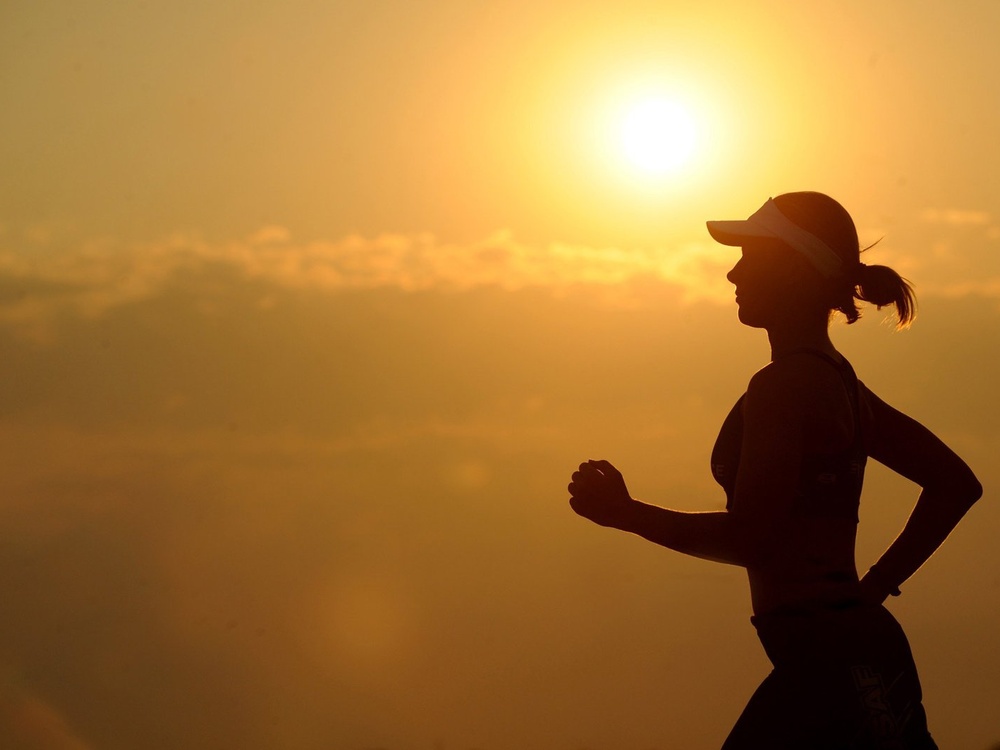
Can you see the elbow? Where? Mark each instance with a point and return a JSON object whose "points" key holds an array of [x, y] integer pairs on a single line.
{"points": [[973, 491], [967, 488], [962, 487]]}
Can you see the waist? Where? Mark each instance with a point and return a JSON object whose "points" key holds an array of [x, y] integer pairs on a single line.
{"points": [[794, 638], [806, 609], [802, 591]]}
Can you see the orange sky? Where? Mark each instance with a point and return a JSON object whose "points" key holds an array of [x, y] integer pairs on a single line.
{"points": [[307, 312]]}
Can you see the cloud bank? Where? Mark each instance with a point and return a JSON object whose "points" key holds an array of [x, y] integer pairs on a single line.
{"points": [[90, 279], [41, 280]]}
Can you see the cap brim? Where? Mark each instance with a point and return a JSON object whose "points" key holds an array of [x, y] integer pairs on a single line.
{"points": [[734, 232]]}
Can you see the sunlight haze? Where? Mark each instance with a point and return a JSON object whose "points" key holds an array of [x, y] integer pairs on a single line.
{"points": [[309, 310]]}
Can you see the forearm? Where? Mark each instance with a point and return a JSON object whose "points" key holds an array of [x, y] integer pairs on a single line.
{"points": [[935, 515], [716, 535]]}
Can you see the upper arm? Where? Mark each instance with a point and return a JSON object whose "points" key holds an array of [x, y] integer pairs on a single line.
{"points": [[907, 447]]}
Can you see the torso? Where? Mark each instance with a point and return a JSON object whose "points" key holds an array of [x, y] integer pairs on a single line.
{"points": [[815, 565]]}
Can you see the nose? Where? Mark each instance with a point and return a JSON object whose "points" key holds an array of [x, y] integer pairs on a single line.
{"points": [[734, 272]]}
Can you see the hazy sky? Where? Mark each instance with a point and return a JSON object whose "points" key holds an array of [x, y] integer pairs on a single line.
{"points": [[308, 310]]}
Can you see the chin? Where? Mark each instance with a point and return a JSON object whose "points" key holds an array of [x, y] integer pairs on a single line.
{"points": [[748, 318]]}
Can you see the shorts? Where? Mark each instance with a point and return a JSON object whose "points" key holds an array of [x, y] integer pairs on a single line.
{"points": [[843, 679]]}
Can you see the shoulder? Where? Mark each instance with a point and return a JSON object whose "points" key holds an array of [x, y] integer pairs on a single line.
{"points": [[885, 423], [794, 380], [801, 395], [775, 399]]}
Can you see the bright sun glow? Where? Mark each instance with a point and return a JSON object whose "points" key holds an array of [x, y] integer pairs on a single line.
{"points": [[658, 136]]}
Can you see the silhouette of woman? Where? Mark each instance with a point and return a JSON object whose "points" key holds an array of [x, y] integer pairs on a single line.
{"points": [[791, 457]]}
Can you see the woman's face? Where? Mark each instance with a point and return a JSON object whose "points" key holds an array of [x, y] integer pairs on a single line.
{"points": [[774, 285]]}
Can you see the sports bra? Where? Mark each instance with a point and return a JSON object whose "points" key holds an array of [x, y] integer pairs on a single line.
{"points": [[829, 484]]}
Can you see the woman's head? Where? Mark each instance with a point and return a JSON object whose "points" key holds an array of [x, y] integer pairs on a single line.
{"points": [[814, 228]]}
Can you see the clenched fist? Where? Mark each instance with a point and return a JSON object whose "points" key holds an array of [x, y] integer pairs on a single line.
{"points": [[598, 492]]}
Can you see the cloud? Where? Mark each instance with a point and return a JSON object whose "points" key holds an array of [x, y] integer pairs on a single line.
{"points": [[38, 285], [950, 253], [986, 287], [955, 216], [270, 233], [423, 262]]}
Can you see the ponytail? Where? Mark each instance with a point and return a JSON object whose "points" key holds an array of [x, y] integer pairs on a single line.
{"points": [[825, 219], [882, 286]]}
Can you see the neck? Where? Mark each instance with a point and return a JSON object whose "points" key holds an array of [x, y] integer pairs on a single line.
{"points": [[784, 340]]}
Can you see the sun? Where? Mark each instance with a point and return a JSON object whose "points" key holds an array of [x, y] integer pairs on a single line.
{"points": [[657, 136]]}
